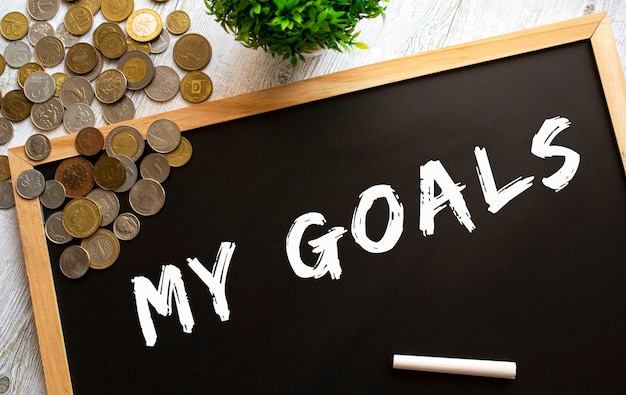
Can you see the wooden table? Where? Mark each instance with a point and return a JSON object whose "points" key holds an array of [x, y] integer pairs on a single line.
{"points": [[411, 26]]}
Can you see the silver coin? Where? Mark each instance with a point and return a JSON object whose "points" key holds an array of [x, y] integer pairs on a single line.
{"points": [[147, 197], [5, 384], [39, 30], [6, 130], [165, 84], [77, 117], [55, 232], [76, 90], [163, 136], [30, 184], [74, 262], [37, 147], [121, 110], [133, 141], [131, 173], [95, 72], [155, 166], [49, 51], [17, 54], [39, 87], [42, 10], [108, 202], [126, 226], [136, 80], [53, 195], [7, 200], [161, 43], [68, 38], [110, 86], [47, 115]]}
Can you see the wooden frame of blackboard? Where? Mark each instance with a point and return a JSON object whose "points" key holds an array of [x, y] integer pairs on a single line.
{"points": [[595, 28]]}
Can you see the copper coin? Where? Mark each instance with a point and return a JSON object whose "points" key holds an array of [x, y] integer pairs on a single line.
{"points": [[76, 175], [89, 141]]}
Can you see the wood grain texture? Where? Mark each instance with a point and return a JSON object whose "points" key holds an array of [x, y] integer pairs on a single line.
{"points": [[410, 27]]}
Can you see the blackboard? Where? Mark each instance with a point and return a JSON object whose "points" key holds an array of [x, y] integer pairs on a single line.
{"points": [[539, 280]]}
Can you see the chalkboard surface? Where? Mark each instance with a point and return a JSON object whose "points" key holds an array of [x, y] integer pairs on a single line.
{"points": [[538, 279]]}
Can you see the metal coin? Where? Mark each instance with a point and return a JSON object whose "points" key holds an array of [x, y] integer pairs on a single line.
{"points": [[14, 26], [131, 173], [37, 147], [147, 197], [110, 86], [42, 10], [92, 5], [47, 115], [126, 226], [5, 169], [55, 232], [178, 22], [181, 155], [68, 38], [17, 54], [125, 140], [103, 248], [133, 45], [155, 166], [50, 51], [113, 45], [81, 217], [6, 131], [116, 10], [108, 202], [39, 30], [15, 106], [192, 52], [53, 195], [30, 184], [3, 64], [102, 30], [121, 110], [144, 25], [81, 58], [76, 175], [89, 141], [26, 70], [7, 200], [196, 87], [74, 262], [163, 136], [78, 20], [59, 79], [160, 43], [138, 69], [165, 84], [90, 76], [76, 90], [39, 87], [109, 172], [77, 117]]}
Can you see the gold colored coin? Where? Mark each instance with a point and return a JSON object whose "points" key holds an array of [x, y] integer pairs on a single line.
{"points": [[192, 52], [14, 26], [181, 154], [5, 170], [81, 217], [76, 175], [92, 5], [196, 87], [78, 20], [16, 106], [178, 22], [3, 64], [102, 30], [81, 58], [113, 45], [117, 10], [103, 248], [59, 79], [109, 173], [133, 45], [144, 25], [26, 70]]}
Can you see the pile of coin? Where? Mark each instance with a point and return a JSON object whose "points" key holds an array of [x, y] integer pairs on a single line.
{"points": [[67, 97], [92, 183]]}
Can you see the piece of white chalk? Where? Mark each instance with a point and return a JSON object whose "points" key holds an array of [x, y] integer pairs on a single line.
{"points": [[472, 367]]}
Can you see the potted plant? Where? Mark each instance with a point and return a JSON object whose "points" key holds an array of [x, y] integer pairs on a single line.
{"points": [[292, 28]]}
